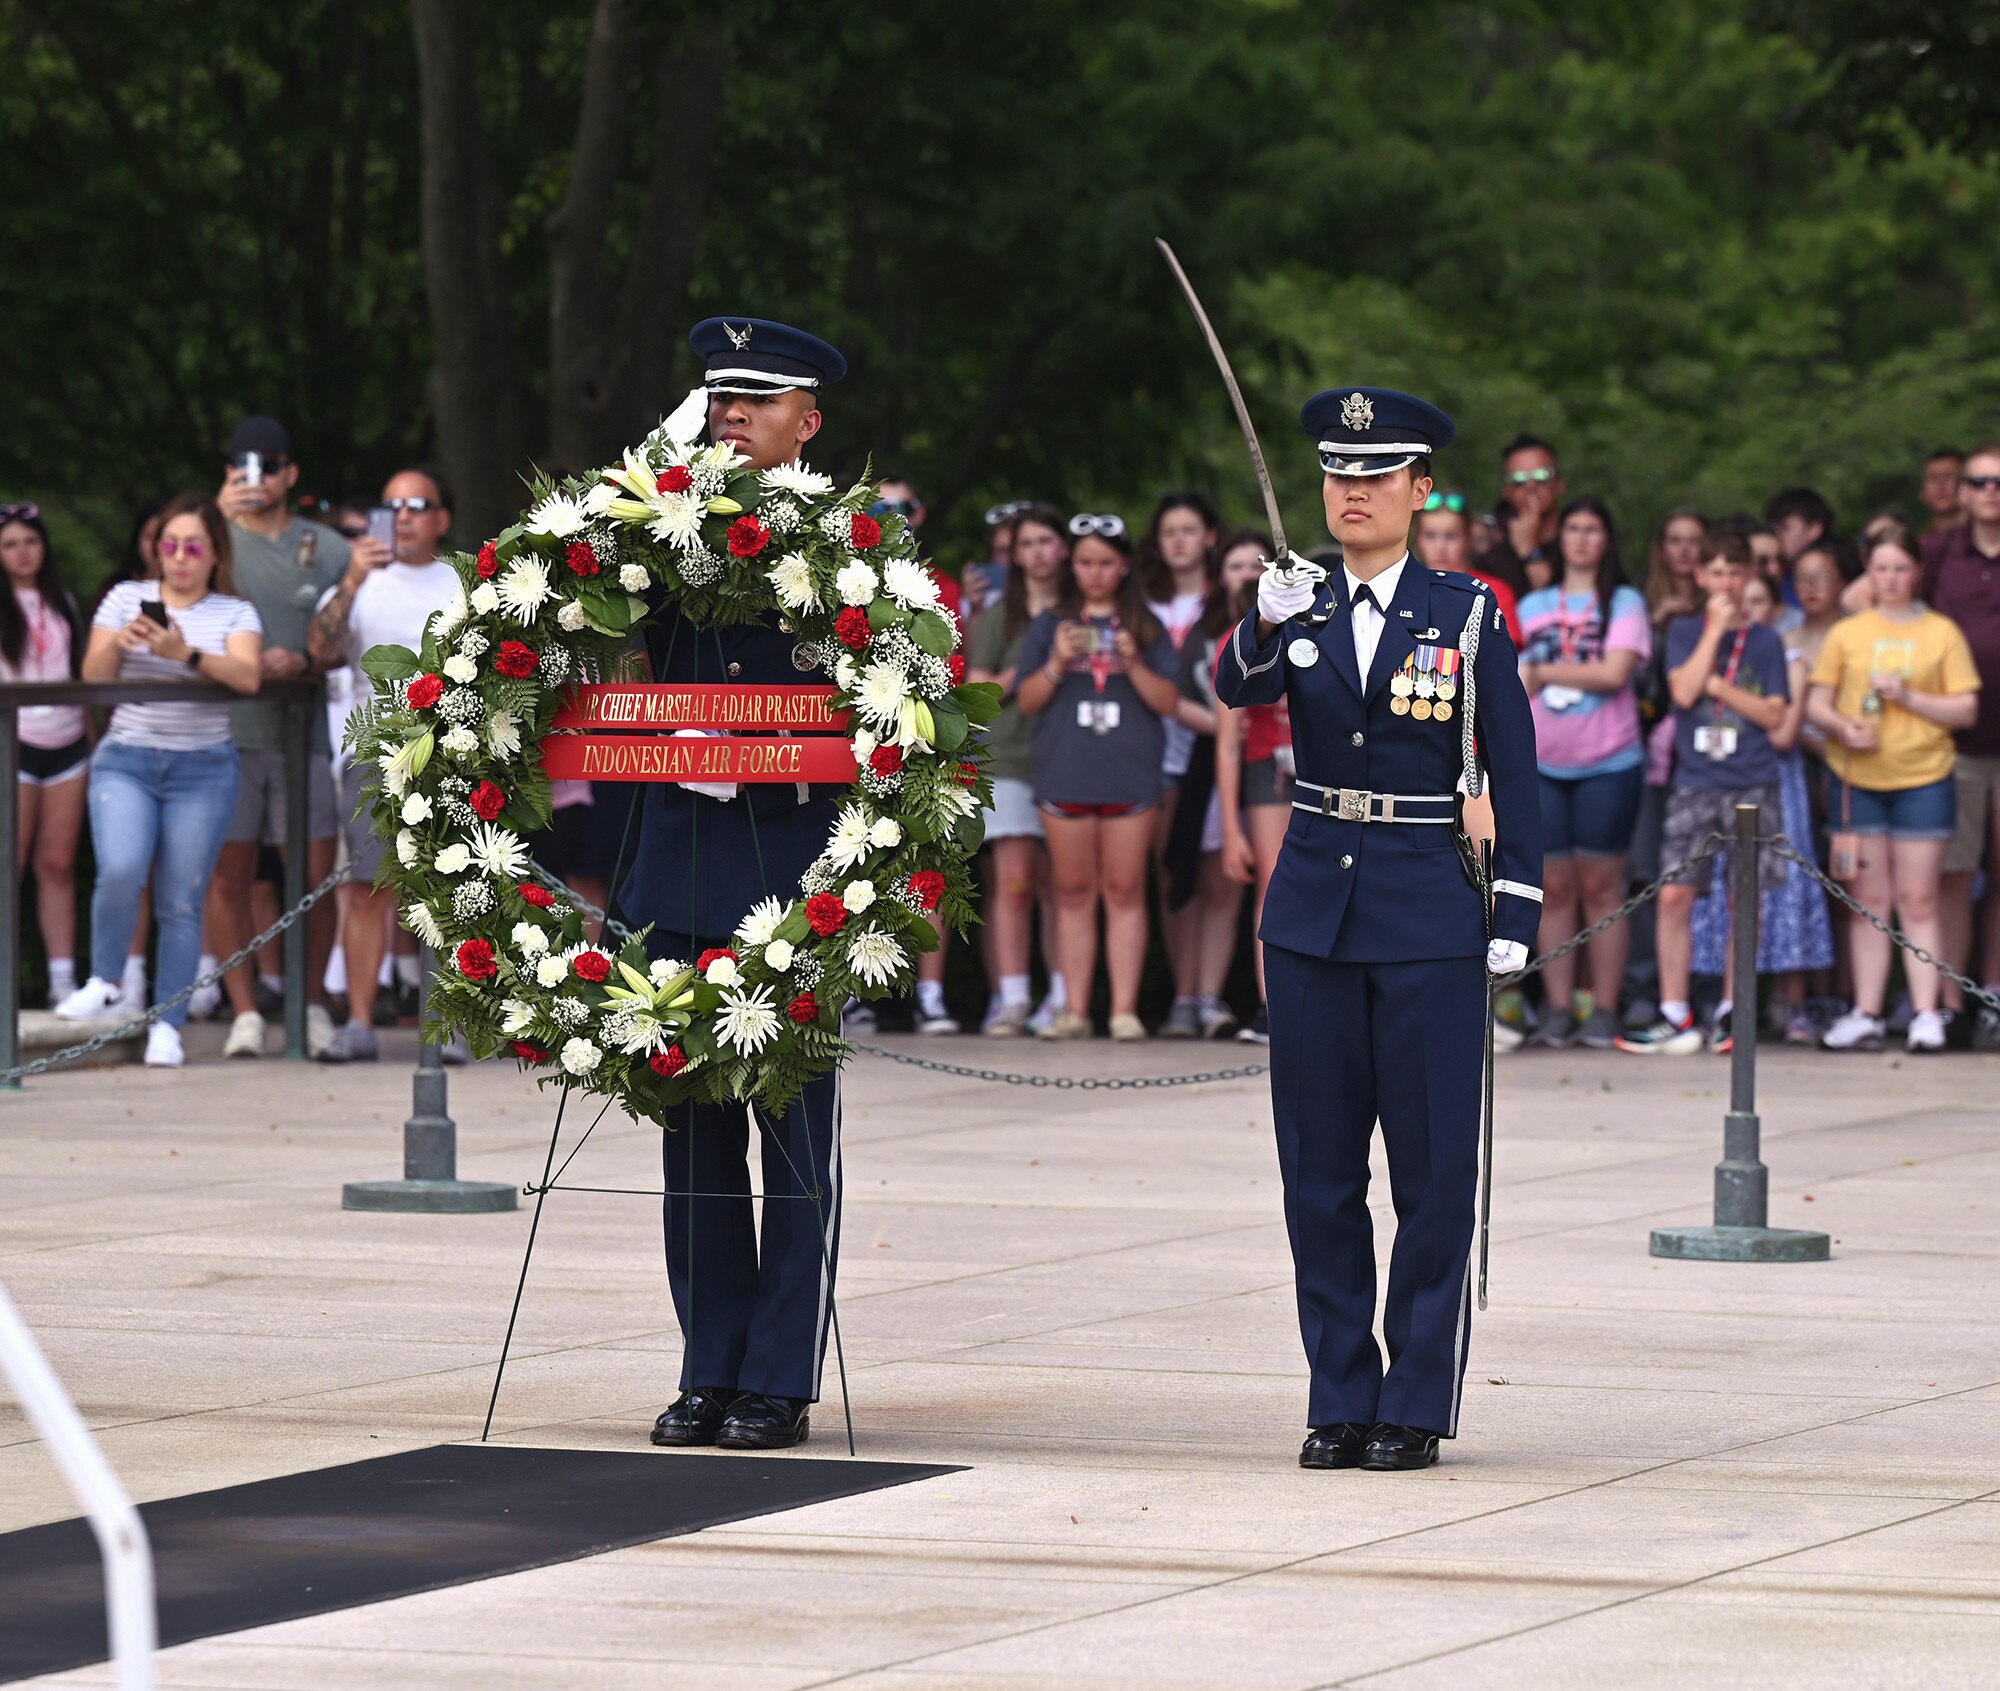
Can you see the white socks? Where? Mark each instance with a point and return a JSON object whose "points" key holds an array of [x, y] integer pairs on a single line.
{"points": [[1013, 989], [408, 971], [62, 977], [1677, 1010], [930, 997]]}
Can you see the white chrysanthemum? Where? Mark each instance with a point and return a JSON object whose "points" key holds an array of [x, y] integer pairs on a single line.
{"points": [[845, 671], [530, 940], [558, 516], [723, 972], [747, 1020], [486, 598], [638, 1033], [416, 808], [875, 957], [796, 479], [848, 844], [444, 621], [419, 920], [524, 589], [856, 584], [633, 578], [676, 520], [455, 859], [499, 851], [857, 896], [909, 584], [879, 693], [791, 579], [516, 1017], [552, 970], [864, 746], [459, 742], [663, 969], [580, 1057], [778, 955], [503, 733], [761, 924], [573, 616], [955, 800], [885, 833]]}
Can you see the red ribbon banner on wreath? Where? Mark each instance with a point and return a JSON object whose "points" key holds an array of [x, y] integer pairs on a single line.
{"points": [[632, 731]]}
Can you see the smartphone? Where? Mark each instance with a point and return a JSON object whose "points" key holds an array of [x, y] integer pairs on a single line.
{"points": [[251, 464], [154, 610], [382, 525]]}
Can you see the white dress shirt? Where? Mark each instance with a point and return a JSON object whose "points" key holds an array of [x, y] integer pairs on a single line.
{"points": [[1368, 619]]}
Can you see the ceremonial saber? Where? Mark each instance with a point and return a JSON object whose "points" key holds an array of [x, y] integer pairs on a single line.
{"points": [[1486, 1123]]}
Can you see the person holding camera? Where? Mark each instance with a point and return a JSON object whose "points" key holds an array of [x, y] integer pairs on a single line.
{"points": [[163, 780]]}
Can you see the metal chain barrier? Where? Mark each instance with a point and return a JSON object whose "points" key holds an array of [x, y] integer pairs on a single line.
{"points": [[1062, 1083], [1645, 895], [125, 1030]]}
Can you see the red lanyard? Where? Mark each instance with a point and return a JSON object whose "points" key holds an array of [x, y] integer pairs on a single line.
{"points": [[1570, 634], [1735, 663], [1103, 656]]}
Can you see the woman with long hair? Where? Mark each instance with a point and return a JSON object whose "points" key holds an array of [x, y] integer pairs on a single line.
{"points": [[163, 782], [1098, 678], [1678, 546], [1585, 637], [1037, 581], [42, 639]]}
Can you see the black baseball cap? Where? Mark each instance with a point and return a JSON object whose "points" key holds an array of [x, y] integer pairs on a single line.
{"points": [[265, 436]]}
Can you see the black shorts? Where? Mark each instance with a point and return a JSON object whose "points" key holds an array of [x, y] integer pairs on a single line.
{"points": [[47, 766]]}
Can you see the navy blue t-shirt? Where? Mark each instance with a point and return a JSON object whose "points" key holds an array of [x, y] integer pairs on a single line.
{"points": [[1760, 668]]}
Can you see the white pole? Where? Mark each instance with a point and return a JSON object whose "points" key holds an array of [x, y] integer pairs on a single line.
{"points": [[121, 1535]]}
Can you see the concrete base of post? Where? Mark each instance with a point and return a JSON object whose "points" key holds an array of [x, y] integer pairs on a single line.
{"points": [[1739, 1244], [430, 1197]]}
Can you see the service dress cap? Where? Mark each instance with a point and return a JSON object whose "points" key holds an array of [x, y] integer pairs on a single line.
{"points": [[755, 355], [1371, 431]]}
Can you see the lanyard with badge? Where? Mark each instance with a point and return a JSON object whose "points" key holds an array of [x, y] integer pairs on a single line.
{"points": [[1099, 714], [1570, 637], [1713, 740]]}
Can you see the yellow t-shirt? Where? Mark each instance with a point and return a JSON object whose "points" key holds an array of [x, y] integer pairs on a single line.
{"points": [[1930, 653]]}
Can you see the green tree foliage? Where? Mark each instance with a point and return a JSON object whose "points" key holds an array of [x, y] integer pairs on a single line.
{"points": [[1709, 250]]}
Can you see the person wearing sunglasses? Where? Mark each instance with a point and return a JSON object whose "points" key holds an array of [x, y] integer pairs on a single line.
{"points": [[1531, 488], [163, 782], [985, 581], [1444, 542]]}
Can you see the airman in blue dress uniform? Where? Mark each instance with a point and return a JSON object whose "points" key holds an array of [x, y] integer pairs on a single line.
{"points": [[753, 1315], [1404, 696]]}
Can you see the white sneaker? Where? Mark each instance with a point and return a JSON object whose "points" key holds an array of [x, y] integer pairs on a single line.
{"points": [[1926, 1031], [319, 1030], [95, 998], [163, 1047], [1045, 1015], [246, 1036], [1856, 1031], [204, 1001]]}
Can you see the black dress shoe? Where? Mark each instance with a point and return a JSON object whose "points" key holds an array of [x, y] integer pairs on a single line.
{"points": [[1391, 1449], [695, 1417], [1336, 1445], [757, 1422]]}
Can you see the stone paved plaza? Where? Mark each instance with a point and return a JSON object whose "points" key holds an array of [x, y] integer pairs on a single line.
{"points": [[1670, 1474]]}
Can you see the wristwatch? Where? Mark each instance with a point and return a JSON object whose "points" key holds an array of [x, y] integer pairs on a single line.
{"points": [[193, 660]]}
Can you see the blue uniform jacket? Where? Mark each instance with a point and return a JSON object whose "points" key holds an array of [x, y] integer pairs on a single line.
{"points": [[1374, 892], [702, 862]]}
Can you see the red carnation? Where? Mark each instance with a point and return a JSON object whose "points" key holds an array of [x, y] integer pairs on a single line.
{"points": [[826, 914], [592, 966], [886, 761], [747, 537], [864, 530], [539, 896], [475, 960], [489, 562], [702, 962], [487, 801], [956, 663], [528, 1051], [927, 887], [851, 628], [669, 1062], [968, 774], [581, 558], [425, 691], [803, 1009], [675, 478], [516, 660]]}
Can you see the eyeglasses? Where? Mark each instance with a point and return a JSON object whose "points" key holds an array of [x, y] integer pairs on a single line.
{"points": [[172, 548], [998, 514], [23, 513], [354, 531], [1446, 502], [416, 502], [1111, 526], [1521, 478], [1985, 484]]}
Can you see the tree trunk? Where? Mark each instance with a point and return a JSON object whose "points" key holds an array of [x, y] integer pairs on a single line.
{"points": [[473, 393]]}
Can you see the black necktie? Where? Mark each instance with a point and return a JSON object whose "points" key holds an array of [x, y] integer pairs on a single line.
{"points": [[1364, 595]]}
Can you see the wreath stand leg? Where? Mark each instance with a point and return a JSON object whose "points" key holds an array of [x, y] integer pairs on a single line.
{"points": [[521, 1285]]}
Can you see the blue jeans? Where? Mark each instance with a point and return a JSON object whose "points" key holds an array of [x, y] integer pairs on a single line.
{"points": [[163, 813]]}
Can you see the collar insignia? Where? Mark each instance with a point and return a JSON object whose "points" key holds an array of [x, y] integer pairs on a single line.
{"points": [[1356, 412], [738, 338]]}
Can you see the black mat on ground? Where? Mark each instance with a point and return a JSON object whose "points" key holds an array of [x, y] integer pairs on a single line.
{"points": [[273, 1550]]}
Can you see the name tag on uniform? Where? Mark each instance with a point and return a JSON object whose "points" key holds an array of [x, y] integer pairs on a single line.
{"points": [[1303, 653], [1100, 716]]}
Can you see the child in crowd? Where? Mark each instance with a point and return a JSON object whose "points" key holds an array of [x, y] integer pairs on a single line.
{"points": [[1727, 678]]}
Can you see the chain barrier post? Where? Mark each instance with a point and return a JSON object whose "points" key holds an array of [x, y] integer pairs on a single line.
{"points": [[10, 877], [430, 1182], [1741, 1232]]}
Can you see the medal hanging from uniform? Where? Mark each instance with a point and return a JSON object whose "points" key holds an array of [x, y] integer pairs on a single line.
{"points": [[1426, 684], [1713, 739]]}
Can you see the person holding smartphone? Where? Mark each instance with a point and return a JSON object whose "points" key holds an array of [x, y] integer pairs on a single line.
{"points": [[163, 781]]}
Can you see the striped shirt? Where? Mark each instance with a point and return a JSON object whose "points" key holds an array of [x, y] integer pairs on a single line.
{"points": [[205, 625]]}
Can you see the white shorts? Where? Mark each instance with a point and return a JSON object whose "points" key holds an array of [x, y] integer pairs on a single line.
{"points": [[1013, 815]]}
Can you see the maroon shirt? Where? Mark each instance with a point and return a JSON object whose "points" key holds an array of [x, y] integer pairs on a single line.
{"points": [[1964, 584]]}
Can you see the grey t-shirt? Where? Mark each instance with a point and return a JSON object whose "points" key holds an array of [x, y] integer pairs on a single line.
{"points": [[1075, 763], [285, 579], [1007, 737]]}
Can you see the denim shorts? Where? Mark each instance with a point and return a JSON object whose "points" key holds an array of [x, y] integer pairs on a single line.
{"points": [[1591, 815], [1909, 813]]}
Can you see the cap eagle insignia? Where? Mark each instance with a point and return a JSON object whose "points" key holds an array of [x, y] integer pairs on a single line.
{"points": [[1356, 412], [738, 338]]}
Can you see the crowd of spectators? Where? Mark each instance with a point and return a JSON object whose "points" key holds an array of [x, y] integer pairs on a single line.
{"points": [[1739, 659]]}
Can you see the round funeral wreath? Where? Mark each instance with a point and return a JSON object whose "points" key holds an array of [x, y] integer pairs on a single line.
{"points": [[455, 733]]}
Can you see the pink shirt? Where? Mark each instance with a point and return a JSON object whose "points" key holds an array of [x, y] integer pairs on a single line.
{"points": [[45, 656]]}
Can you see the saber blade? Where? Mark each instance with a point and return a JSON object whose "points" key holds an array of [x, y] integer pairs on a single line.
{"points": [[1486, 1114], [1271, 514]]}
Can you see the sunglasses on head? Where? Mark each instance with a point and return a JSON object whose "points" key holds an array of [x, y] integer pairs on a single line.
{"points": [[1106, 523], [416, 502], [1521, 478], [1446, 502], [998, 514], [23, 513], [171, 547], [1985, 484]]}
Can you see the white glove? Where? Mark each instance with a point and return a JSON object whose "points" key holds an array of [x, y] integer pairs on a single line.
{"points": [[723, 790], [1505, 956], [1288, 589]]}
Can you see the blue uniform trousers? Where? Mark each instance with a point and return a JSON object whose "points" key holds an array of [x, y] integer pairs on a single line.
{"points": [[754, 1314], [1352, 1043]]}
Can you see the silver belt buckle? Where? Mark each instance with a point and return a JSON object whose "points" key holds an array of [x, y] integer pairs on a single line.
{"points": [[1353, 804]]}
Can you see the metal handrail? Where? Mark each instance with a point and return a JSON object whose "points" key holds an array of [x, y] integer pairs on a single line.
{"points": [[296, 694]]}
